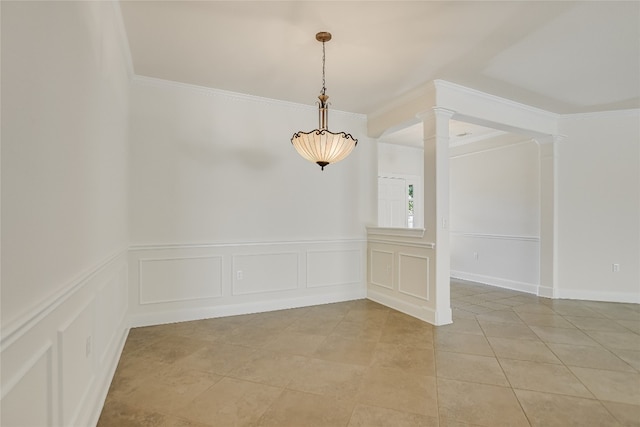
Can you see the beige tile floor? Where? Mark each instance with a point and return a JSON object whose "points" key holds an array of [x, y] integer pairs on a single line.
{"points": [[509, 359]]}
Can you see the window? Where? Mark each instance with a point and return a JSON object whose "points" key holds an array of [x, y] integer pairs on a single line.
{"points": [[410, 212]]}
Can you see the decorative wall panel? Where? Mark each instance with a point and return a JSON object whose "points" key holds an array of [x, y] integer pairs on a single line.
{"points": [[265, 273], [180, 279], [75, 356], [27, 395], [413, 275], [381, 268], [250, 277], [331, 268]]}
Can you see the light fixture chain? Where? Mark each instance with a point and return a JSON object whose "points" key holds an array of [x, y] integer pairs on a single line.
{"points": [[324, 89]]}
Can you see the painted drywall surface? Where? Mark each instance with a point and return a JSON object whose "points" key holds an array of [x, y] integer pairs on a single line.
{"points": [[64, 209], [495, 216], [213, 167], [64, 148], [496, 191], [394, 159], [599, 206]]}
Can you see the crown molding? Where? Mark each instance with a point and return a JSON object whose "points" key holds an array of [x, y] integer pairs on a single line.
{"points": [[634, 112], [443, 84], [234, 96]]}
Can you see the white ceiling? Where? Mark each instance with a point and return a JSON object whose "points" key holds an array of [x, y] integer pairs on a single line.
{"points": [[564, 57]]}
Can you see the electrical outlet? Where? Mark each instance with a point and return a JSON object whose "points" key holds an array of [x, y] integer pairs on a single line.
{"points": [[475, 256], [239, 274], [615, 268]]}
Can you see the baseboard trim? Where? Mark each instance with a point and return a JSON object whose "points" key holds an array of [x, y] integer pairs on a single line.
{"points": [[199, 313], [621, 297], [427, 314], [546, 292], [104, 383], [530, 288]]}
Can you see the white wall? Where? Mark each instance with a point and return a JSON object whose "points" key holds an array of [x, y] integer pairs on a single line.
{"points": [[64, 208], [216, 186], [394, 159], [599, 206], [495, 216]]}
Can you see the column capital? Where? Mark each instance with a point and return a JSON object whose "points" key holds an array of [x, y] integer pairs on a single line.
{"points": [[435, 122], [437, 112], [550, 139]]}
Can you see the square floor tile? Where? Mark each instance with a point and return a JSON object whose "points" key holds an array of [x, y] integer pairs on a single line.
{"points": [[622, 387], [463, 343], [396, 389], [295, 408], [479, 404], [563, 336], [413, 360], [231, 402], [627, 415], [470, 367], [534, 351], [375, 416], [543, 377], [345, 350], [329, 378], [552, 410], [589, 357]]}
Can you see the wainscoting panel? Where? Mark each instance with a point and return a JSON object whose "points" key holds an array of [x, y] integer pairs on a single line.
{"points": [[75, 359], [180, 279], [57, 361], [333, 268], [27, 392], [249, 278], [258, 273], [401, 274], [381, 268], [413, 275]]}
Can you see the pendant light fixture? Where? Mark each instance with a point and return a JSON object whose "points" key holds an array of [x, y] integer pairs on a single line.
{"points": [[320, 145]]}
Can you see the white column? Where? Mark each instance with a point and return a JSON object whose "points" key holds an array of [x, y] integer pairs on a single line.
{"points": [[548, 215], [436, 205]]}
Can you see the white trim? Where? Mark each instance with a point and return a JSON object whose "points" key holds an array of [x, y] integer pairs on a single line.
{"points": [[45, 349], [21, 325], [402, 254], [441, 84], [358, 251], [235, 280], [499, 147], [168, 246], [393, 242], [149, 302], [624, 297], [395, 231], [102, 386], [62, 398], [371, 268], [235, 96], [632, 112], [466, 140], [530, 288], [183, 315], [545, 291], [495, 236], [421, 312]]}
